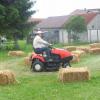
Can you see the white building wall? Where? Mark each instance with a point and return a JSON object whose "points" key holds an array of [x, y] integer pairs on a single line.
{"points": [[83, 37], [94, 29], [99, 35], [95, 23], [93, 35], [63, 36]]}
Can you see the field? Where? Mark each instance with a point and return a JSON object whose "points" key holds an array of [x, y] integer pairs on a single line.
{"points": [[45, 85]]}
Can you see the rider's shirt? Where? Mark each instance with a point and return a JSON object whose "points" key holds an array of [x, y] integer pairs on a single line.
{"points": [[38, 42]]}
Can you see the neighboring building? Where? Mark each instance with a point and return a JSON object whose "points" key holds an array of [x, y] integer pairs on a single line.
{"points": [[92, 18], [55, 26], [93, 27]]}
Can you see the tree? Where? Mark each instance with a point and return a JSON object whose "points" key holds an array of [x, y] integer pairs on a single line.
{"points": [[74, 26], [14, 15], [7, 2]]}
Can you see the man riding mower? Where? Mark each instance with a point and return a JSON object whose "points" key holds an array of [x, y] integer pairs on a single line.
{"points": [[46, 58]]}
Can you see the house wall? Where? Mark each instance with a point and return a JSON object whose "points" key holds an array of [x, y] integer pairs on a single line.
{"points": [[63, 36], [99, 35], [95, 23], [56, 35], [90, 36], [93, 35], [51, 35], [94, 29], [83, 37]]}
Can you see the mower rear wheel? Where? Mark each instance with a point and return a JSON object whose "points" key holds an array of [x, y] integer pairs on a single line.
{"points": [[37, 66]]}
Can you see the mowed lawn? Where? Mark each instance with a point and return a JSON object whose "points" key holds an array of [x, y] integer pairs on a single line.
{"points": [[45, 85]]}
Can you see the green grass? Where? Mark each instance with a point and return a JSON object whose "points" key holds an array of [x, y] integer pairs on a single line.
{"points": [[45, 85], [25, 47]]}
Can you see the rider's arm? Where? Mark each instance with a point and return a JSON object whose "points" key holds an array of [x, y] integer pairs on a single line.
{"points": [[41, 41]]}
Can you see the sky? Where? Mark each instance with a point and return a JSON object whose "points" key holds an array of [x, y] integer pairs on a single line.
{"points": [[48, 8]]}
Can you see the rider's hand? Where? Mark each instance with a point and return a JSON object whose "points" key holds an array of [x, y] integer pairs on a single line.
{"points": [[51, 44]]}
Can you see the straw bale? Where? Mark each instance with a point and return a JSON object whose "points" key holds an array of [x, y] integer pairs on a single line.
{"points": [[7, 77], [95, 50], [95, 45], [79, 52], [76, 58], [73, 74], [85, 49], [11, 53], [16, 53], [27, 61], [70, 48], [20, 53]]}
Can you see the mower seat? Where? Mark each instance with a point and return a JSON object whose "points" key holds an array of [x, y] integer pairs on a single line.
{"points": [[37, 52]]}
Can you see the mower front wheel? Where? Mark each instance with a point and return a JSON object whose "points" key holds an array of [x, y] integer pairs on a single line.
{"points": [[37, 66]]}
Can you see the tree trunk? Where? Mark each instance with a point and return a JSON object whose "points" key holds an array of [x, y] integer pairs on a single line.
{"points": [[16, 46], [69, 37]]}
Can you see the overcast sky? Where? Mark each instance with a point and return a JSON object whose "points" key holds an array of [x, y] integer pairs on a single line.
{"points": [[47, 8]]}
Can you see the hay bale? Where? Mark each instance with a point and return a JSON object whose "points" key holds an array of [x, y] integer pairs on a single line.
{"points": [[95, 45], [79, 52], [95, 50], [85, 49], [73, 74], [70, 48], [12, 53], [16, 53], [27, 61], [20, 53], [76, 58], [7, 77]]}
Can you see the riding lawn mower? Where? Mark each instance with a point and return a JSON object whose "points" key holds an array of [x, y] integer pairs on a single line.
{"points": [[60, 58]]}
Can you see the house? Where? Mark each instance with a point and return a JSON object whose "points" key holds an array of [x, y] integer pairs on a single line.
{"points": [[56, 32], [54, 28]]}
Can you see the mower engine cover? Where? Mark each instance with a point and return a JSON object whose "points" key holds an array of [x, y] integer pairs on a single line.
{"points": [[61, 52]]}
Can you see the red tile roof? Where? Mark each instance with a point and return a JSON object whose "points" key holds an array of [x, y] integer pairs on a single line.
{"points": [[78, 11], [88, 17], [84, 11]]}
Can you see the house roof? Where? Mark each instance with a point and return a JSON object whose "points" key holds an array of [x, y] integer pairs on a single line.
{"points": [[53, 22], [59, 21], [84, 11], [88, 17], [35, 20], [78, 11]]}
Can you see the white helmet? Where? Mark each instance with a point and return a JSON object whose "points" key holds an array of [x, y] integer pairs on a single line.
{"points": [[39, 32]]}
